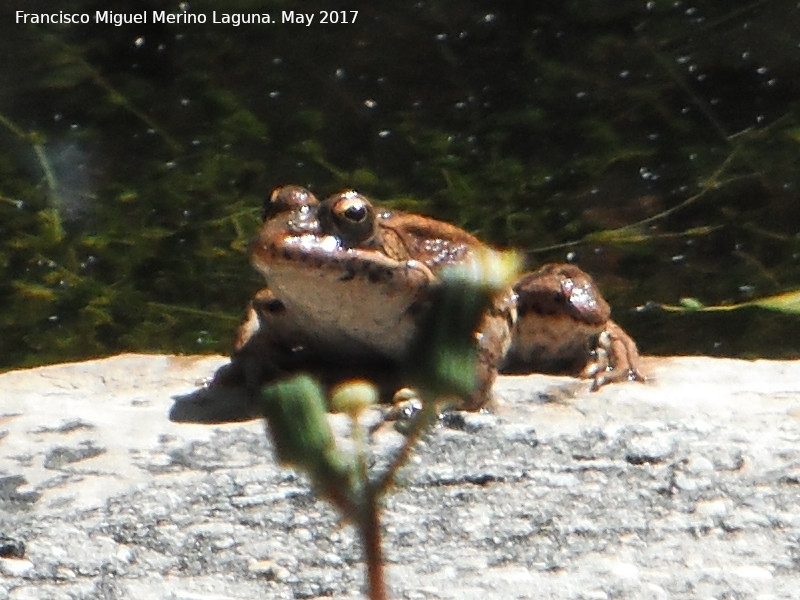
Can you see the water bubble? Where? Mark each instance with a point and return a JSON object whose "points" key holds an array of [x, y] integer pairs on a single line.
{"points": [[89, 262], [646, 174], [370, 103], [747, 289], [204, 338]]}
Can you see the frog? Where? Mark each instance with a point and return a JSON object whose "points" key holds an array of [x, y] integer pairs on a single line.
{"points": [[348, 283]]}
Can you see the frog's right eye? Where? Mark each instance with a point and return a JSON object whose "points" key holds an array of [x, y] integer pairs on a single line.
{"points": [[286, 198]]}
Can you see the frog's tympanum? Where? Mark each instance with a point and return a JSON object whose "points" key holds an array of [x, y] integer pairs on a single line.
{"points": [[348, 282]]}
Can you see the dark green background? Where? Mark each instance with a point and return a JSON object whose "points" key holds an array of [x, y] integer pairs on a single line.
{"points": [[134, 159]]}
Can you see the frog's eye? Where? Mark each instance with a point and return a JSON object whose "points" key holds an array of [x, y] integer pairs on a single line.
{"points": [[355, 210], [349, 216], [288, 198]]}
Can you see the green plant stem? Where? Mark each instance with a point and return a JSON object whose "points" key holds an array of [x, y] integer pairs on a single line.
{"points": [[35, 140], [421, 424]]}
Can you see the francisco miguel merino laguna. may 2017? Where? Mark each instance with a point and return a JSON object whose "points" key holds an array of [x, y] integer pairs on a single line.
{"points": [[161, 16]]}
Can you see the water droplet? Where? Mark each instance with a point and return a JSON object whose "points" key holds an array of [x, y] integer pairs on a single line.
{"points": [[370, 103]]}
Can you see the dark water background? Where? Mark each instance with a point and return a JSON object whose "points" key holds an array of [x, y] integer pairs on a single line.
{"points": [[134, 159]]}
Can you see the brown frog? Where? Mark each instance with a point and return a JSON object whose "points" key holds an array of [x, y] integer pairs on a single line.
{"points": [[348, 282]]}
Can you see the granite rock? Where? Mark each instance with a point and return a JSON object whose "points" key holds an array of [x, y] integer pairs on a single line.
{"points": [[687, 486]]}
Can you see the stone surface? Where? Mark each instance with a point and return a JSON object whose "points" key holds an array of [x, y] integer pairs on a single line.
{"points": [[685, 487]]}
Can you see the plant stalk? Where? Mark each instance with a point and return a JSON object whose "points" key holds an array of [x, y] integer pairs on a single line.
{"points": [[370, 528]]}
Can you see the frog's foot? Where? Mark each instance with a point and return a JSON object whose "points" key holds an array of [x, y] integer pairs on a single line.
{"points": [[616, 358]]}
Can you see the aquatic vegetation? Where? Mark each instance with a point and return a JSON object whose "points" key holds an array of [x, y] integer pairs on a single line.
{"points": [[649, 142]]}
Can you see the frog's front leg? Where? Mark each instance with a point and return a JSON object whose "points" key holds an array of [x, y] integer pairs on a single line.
{"points": [[615, 358], [267, 345]]}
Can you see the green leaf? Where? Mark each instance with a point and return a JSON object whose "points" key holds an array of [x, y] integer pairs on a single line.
{"points": [[788, 303], [298, 425]]}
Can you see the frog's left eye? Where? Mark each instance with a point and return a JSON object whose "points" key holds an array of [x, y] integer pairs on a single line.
{"points": [[355, 210], [349, 216]]}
